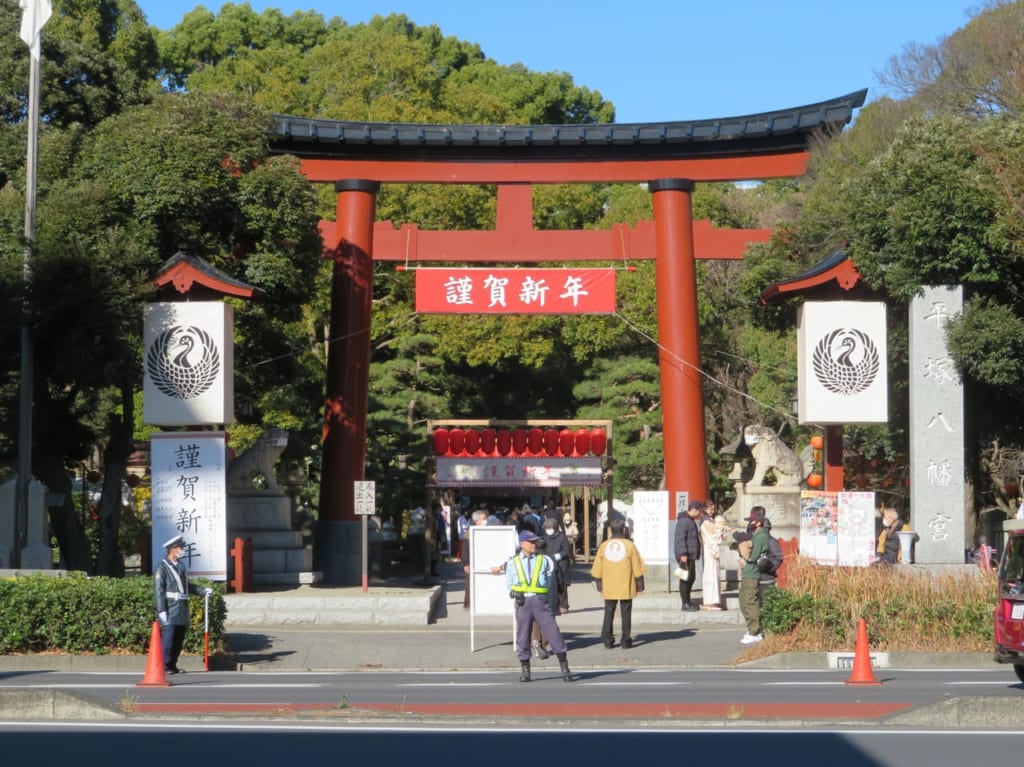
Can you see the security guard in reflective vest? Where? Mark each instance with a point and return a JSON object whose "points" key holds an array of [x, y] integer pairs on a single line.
{"points": [[529, 575]]}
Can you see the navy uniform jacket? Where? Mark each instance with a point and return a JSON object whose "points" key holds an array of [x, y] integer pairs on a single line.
{"points": [[170, 591]]}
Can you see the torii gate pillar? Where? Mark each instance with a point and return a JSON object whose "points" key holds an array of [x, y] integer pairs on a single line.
{"points": [[350, 247], [349, 244], [683, 429]]}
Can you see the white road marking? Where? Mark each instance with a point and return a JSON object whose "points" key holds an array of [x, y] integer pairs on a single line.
{"points": [[179, 686]]}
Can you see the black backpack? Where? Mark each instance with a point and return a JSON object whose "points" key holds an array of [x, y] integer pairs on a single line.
{"points": [[769, 564]]}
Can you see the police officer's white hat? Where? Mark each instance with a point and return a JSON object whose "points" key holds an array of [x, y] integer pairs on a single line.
{"points": [[178, 540]]}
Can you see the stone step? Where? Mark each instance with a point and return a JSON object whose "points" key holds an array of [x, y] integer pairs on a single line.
{"points": [[308, 606], [287, 579]]}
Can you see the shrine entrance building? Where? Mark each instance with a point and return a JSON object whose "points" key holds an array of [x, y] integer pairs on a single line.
{"points": [[669, 157]]}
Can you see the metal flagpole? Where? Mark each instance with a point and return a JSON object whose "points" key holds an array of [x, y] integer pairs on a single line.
{"points": [[35, 15]]}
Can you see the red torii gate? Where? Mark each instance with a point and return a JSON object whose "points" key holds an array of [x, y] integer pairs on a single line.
{"points": [[669, 157]]}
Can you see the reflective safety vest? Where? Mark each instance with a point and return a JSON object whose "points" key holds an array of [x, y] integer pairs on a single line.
{"points": [[533, 587]]}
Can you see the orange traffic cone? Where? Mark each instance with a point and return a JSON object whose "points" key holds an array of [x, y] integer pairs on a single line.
{"points": [[155, 675], [862, 673]]}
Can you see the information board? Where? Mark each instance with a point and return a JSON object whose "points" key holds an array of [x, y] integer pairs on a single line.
{"points": [[490, 546], [650, 525]]}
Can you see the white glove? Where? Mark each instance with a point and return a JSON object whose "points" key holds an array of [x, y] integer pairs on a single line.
{"points": [[162, 616], [207, 592], [558, 557]]}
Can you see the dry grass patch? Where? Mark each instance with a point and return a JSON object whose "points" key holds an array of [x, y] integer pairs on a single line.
{"points": [[906, 609]]}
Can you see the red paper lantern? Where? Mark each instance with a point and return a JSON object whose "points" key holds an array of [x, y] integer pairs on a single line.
{"points": [[565, 442], [519, 441], [814, 481], [504, 440], [487, 441], [582, 441], [598, 441], [472, 441], [535, 440], [440, 439], [456, 441], [817, 442], [551, 441]]}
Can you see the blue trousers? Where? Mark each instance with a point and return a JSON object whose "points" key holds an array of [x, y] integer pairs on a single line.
{"points": [[536, 608], [171, 639]]}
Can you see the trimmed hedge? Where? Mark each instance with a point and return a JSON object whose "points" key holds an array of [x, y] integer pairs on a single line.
{"points": [[104, 616]]}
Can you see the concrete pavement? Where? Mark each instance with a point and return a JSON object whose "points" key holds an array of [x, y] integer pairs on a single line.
{"points": [[450, 638], [435, 632]]}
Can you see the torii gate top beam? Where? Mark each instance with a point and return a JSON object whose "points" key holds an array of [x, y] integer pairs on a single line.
{"points": [[766, 145]]}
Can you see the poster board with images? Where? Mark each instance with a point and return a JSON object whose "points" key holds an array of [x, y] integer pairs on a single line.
{"points": [[490, 546], [837, 528], [855, 542], [818, 527]]}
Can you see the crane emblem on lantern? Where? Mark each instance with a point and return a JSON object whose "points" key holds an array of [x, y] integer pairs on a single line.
{"points": [[846, 361], [183, 362]]}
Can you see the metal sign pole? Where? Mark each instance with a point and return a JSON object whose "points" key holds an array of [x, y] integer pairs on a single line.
{"points": [[365, 493]]}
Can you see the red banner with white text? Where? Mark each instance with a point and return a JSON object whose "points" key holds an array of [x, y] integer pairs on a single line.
{"points": [[515, 291]]}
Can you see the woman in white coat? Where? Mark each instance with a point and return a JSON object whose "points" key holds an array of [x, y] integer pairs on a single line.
{"points": [[712, 533]]}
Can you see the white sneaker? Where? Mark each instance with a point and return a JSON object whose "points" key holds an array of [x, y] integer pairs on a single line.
{"points": [[752, 638]]}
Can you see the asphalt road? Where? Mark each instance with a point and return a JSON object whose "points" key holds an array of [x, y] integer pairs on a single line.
{"points": [[731, 694], [267, 743]]}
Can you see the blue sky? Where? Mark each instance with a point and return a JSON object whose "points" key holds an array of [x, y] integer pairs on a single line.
{"points": [[662, 60]]}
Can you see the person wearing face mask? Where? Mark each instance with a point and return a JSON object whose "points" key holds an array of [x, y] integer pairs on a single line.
{"points": [[559, 549], [888, 549], [171, 590]]}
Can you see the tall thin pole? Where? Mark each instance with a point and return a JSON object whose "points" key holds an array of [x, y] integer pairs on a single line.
{"points": [[35, 15]]}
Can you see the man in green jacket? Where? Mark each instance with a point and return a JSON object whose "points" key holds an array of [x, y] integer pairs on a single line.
{"points": [[750, 576]]}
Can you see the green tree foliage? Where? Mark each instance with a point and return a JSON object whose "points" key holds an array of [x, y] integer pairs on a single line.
{"points": [[972, 72], [97, 57]]}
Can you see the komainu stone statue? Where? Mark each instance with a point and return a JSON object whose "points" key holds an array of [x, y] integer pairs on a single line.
{"points": [[771, 453], [258, 460]]}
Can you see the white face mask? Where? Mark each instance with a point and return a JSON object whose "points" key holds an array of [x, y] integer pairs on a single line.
{"points": [[549, 530]]}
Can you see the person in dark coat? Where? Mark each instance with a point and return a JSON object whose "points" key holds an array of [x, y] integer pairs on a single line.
{"points": [[558, 549], [686, 550], [170, 591]]}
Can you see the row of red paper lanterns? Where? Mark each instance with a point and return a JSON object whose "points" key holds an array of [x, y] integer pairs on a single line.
{"points": [[549, 442]]}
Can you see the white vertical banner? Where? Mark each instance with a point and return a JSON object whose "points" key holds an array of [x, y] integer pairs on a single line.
{"points": [[650, 525], [190, 498], [842, 359], [188, 364]]}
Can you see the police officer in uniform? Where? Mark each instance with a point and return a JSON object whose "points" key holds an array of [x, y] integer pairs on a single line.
{"points": [[170, 590], [529, 575]]}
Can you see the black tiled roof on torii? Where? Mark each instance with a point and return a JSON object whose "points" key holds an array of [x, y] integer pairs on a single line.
{"points": [[784, 130]]}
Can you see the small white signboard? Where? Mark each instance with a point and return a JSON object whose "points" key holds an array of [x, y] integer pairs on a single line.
{"points": [[365, 497]]}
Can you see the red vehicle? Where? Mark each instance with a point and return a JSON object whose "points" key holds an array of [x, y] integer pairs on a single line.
{"points": [[1009, 618]]}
